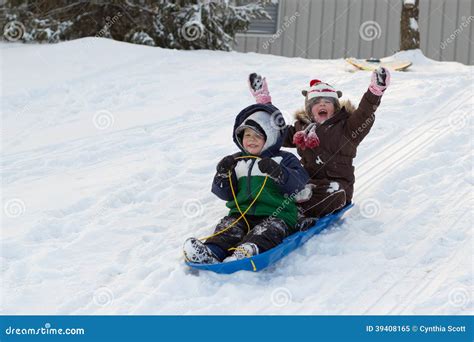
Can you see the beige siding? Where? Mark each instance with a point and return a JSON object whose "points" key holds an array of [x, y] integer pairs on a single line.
{"points": [[331, 29]]}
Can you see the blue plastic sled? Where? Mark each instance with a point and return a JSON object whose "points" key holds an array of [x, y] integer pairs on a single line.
{"points": [[265, 259]]}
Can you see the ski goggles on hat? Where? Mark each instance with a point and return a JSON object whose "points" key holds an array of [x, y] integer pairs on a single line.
{"points": [[253, 126], [323, 98]]}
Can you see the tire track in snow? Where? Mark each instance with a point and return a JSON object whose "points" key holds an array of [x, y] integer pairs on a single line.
{"points": [[413, 292], [398, 153], [431, 284], [364, 299]]}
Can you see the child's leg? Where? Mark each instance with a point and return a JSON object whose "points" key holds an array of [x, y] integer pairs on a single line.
{"points": [[269, 233], [197, 252], [328, 196], [215, 249], [230, 237]]}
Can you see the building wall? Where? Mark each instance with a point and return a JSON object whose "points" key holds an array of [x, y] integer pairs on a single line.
{"points": [[326, 29]]}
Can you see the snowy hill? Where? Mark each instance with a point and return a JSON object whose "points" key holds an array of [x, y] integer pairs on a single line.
{"points": [[108, 153]]}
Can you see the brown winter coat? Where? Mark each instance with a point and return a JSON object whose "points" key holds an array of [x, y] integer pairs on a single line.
{"points": [[339, 137]]}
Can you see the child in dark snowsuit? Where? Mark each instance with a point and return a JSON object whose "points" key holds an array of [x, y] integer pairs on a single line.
{"points": [[258, 133], [326, 134]]}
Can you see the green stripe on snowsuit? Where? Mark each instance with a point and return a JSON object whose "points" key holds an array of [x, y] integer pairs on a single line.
{"points": [[271, 202]]}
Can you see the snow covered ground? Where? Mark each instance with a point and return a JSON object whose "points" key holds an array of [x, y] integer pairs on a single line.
{"points": [[108, 152]]}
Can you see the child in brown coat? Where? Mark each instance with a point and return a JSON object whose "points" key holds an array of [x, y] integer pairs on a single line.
{"points": [[326, 134]]}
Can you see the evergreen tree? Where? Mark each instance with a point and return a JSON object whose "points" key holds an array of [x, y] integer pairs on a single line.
{"points": [[180, 24]]}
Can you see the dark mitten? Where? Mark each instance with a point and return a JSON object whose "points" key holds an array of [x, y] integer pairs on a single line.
{"points": [[271, 167], [226, 164]]}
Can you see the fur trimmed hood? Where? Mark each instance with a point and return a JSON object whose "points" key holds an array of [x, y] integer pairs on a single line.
{"points": [[346, 105]]}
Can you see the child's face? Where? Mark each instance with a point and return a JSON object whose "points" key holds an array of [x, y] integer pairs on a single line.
{"points": [[253, 142], [322, 110]]}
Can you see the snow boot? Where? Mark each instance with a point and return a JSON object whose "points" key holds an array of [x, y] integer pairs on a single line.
{"points": [[197, 252], [245, 250]]}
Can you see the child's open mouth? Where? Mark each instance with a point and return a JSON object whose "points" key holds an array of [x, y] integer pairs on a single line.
{"points": [[323, 112]]}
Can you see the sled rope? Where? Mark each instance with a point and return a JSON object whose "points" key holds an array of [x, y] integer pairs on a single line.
{"points": [[236, 202], [242, 214], [246, 254]]}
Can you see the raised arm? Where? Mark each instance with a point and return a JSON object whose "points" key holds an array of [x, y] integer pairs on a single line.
{"points": [[362, 119]]}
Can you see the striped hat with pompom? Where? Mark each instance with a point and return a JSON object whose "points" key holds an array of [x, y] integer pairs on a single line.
{"points": [[317, 89], [321, 89]]}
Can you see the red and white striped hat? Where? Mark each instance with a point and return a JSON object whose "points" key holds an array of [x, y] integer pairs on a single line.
{"points": [[321, 89]]}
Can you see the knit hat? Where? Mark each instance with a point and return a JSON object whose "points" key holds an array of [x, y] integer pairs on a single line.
{"points": [[318, 89]]}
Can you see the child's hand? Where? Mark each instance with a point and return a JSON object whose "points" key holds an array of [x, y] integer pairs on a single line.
{"points": [[226, 164], [271, 167], [259, 88], [380, 81]]}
